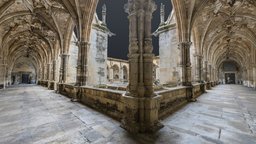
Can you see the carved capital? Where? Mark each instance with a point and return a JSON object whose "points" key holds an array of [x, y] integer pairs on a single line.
{"points": [[133, 47], [82, 44], [184, 45], [148, 47]]}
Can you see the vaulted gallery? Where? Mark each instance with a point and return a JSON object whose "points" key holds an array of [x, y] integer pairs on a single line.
{"points": [[184, 71]]}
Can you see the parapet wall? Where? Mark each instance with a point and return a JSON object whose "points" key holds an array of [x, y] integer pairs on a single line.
{"points": [[106, 101], [111, 102]]}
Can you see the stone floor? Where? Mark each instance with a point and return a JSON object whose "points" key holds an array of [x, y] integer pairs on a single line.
{"points": [[31, 114]]}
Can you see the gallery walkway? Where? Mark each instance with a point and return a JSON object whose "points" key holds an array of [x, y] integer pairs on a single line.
{"points": [[32, 114]]}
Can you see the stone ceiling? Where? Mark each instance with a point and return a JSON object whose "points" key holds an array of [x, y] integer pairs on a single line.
{"points": [[226, 29], [42, 29]]}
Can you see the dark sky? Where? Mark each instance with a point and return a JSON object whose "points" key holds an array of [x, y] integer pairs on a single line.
{"points": [[117, 22]]}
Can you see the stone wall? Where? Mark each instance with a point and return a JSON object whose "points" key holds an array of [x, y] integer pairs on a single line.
{"points": [[171, 100], [43, 83], [72, 61], [97, 56], [169, 56], [106, 101], [198, 89], [111, 103], [23, 66]]}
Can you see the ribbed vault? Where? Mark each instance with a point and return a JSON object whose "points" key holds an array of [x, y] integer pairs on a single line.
{"points": [[41, 30]]}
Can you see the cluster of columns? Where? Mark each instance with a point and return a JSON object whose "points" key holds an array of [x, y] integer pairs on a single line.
{"points": [[141, 103]]}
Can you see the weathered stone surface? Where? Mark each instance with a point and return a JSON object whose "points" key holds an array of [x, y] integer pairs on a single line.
{"points": [[225, 114]]}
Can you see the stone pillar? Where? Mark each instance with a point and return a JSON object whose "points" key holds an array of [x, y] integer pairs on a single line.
{"points": [[111, 74], [121, 74], [45, 72], [54, 73], [4, 66], [40, 74], [141, 104], [214, 74], [210, 73], [63, 68], [82, 63], [254, 77], [205, 71], [49, 75], [244, 77], [199, 68], [49, 72], [250, 76], [185, 63], [54, 68]]}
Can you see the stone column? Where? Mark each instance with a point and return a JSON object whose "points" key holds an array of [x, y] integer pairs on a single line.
{"points": [[111, 74], [185, 63], [254, 76], [64, 68], [141, 104], [250, 76], [214, 74], [54, 73], [82, 63], [4, 66], [49, 75], [49, 71], [45, 72], [199, 68], [244, 77], [205, 71], [210, 73], [54, 68], [121, 74]]}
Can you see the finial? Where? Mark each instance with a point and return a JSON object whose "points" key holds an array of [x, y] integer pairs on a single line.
{"points": [[162, 13], [104, 13]]}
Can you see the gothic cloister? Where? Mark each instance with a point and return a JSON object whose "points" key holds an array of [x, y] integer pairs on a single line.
{"points": [[58, 85]]}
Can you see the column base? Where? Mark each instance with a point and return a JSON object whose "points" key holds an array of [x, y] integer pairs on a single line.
{"points": [[141, 114], [76, 94]]}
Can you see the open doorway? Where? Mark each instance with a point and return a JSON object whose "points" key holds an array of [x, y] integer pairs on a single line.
{"points": [[25, 79], [230, 78]]}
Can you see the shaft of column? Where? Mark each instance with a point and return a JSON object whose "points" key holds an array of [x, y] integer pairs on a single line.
{"points": [[185, 63], [141, 103], [63, 68], [206, 71], [82, 63]]}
